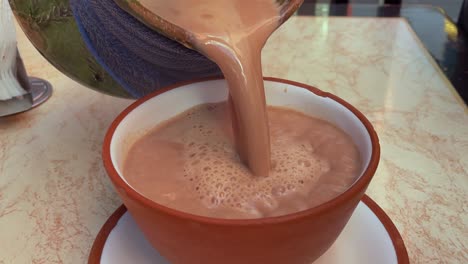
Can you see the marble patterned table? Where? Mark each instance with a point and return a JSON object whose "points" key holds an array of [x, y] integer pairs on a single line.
{"points": [[55, 195]]}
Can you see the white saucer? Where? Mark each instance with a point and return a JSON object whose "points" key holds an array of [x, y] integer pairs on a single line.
{"points": [[40, 91], [369, 238]]}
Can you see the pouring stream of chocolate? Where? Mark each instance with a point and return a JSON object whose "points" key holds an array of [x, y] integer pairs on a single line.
{"points": [[232, 33]]}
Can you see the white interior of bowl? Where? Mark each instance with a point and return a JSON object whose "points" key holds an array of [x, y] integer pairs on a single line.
{"points": [[173, 102]]}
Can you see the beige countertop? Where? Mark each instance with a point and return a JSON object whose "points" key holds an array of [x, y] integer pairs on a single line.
{"points": [[55, 195]]}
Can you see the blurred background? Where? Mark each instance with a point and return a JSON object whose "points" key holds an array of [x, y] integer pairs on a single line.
{"points": [[451, 7]]}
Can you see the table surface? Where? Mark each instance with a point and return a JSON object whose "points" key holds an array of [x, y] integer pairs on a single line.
{"points": [[55, 195], [445, 41]]}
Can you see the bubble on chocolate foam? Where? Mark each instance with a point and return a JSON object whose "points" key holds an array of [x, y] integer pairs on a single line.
{"points": [[221, 180]]}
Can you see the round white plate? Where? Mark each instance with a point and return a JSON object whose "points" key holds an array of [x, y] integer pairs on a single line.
{"points": [[40, 91], [369, 238]]}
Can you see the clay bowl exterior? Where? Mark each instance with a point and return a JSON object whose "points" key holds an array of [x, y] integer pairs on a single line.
{"points": [[184, 238]]}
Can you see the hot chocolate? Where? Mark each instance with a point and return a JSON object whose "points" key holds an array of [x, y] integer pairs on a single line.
{"points": [[210, 160], [189, 163]]}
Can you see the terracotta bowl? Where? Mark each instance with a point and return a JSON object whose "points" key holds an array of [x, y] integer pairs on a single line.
{"points": [[185, 238]]}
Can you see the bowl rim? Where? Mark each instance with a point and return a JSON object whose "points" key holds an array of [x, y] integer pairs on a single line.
{"points": [[358, 187]]}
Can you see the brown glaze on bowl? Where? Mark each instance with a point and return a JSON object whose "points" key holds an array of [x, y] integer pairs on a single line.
{"points": [[296, 238]]}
